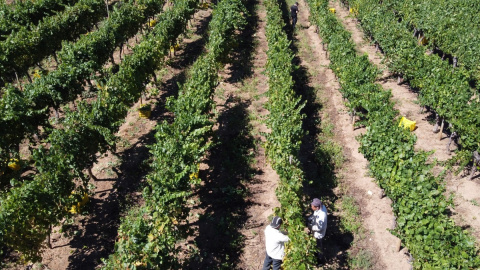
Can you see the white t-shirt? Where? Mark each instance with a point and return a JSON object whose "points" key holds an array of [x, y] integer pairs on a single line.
{"points": [[319, 222], [274, 243]]}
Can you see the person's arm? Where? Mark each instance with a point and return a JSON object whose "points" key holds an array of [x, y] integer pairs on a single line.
{"points": [[282, 237]]}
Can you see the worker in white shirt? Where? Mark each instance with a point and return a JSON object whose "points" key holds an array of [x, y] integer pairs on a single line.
{"points": [[317, 224], [275, 245]]}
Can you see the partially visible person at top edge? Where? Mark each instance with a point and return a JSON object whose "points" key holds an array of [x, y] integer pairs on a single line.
{"points": [[293, 14], [274, 244], [317, 224]]}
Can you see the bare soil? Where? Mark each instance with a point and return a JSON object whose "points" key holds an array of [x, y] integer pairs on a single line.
{"points": [[466, 212]]}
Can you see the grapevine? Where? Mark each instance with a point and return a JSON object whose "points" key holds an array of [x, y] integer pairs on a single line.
{"points": [[23, 13], [445, 91], [26, 47], [147, 236], [23, 111], [421, 208], [284, 140], [28, 211]]}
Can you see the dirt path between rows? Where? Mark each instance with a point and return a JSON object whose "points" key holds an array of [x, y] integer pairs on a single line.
{"points": [[262, 198], [466, 192], [237, 194], [376, 212]]}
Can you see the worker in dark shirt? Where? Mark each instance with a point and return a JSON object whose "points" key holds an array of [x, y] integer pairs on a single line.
{"points": [[293, 13]]}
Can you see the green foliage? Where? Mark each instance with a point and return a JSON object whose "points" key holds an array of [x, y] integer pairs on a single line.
{"points": [[28, 211], [361, 260], [418, 201], [444, 89], [148, 239], [27, 13], [351, 220], [448, 25], [283, 142], [23, 111], [26, 47]]}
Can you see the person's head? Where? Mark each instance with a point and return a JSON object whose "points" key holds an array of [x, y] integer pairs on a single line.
{"points": [[316, 204], [296, 4], [276, 222]]}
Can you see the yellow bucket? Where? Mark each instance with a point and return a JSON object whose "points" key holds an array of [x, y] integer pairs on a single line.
{"points": [[145, 113], [332, 10], [407, 124], [205, 5]]}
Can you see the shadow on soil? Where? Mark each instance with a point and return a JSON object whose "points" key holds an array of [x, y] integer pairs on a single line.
{"points": [[223, 204], [223, 194], [193, 49], [100, 229]]}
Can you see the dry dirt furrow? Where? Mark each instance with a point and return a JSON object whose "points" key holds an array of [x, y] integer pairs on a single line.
{"points": [[467, 193], [262, 196], [376, 212]]}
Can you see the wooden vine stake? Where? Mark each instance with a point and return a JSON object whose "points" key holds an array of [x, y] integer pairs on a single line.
{"points": [[106, 5], [452, 137], [441, 130], [437, 120], [49, 243], [18, 82]]}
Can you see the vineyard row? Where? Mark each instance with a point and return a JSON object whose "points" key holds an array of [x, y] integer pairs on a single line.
{"points": [[442, 89], [448, 26], [283, 142], [148, 236], [28, 13], [26, 47], [24, 110], [421, 208], [28, 212]]}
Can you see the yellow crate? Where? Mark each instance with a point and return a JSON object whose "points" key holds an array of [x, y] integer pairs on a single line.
{"points": [[174, 48], [332, 10], [144, 114], [407, 124]]}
